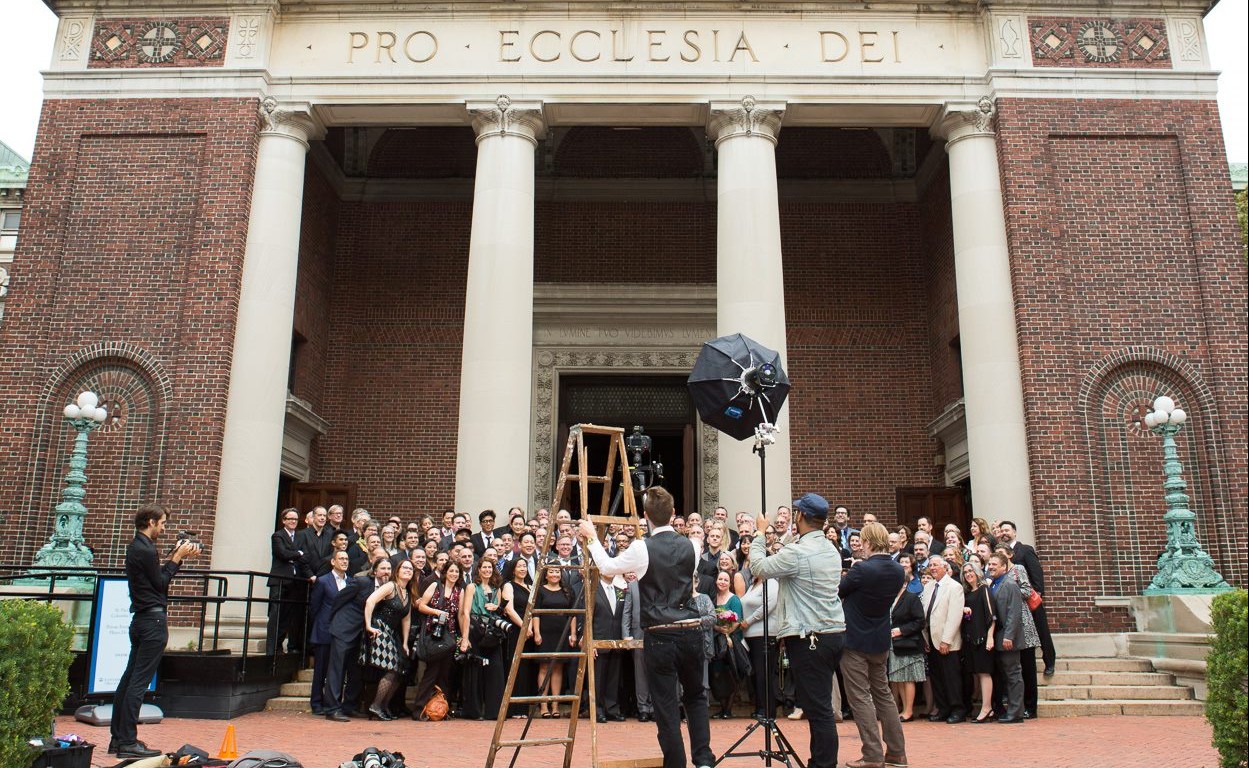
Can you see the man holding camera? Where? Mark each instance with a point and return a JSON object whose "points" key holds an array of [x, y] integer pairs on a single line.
{"points": [[149, 627], [810, 616]]}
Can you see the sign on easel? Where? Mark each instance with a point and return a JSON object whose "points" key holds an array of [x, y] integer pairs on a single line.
{"points": [[109, 649]]}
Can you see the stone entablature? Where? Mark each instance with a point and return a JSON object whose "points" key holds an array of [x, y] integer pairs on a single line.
{"points": [[346, 54]]}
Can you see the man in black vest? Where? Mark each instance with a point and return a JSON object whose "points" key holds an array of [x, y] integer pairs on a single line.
{"points": [[673, 641]]}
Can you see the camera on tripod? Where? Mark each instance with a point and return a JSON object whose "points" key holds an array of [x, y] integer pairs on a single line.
{"points": [[642, 474]]}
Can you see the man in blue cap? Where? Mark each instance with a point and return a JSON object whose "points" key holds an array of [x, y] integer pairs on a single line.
{"points": [[809, 614]]}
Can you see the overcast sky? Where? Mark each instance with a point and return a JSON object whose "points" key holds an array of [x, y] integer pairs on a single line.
{"points": [[29, 29]]}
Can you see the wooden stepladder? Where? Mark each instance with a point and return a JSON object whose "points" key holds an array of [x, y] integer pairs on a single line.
{"points": [[617, 471]]}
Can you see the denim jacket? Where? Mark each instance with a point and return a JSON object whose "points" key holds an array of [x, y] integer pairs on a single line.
{"points": [[809, 574]]}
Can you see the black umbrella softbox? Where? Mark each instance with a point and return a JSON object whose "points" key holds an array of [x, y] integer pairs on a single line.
{"points": [[738, 384]]}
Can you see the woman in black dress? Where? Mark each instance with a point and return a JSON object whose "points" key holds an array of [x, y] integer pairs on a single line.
{"points": [[515, 599], [387, 617], [556, 632], [443, 603], [978, 625]]}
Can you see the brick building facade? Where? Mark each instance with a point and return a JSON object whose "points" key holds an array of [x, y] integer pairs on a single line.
{"points": [[360, 194]]}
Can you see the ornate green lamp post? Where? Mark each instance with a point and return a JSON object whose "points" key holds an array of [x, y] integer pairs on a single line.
{"points": [[1184, 568], [67, 548]]}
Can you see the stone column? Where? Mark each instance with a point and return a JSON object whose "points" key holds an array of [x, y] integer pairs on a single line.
{"points": [[251, 451], [997, 443], [496, 372], [750, 289]]}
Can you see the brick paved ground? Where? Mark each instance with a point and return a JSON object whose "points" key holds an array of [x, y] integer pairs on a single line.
{"points": [[1102, 742]]}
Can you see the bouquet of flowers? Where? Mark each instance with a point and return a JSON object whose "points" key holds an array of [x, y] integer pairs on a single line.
{"points": [[725, 617]]}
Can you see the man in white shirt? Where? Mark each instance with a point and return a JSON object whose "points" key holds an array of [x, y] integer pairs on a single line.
{"points": [[672, 632]]}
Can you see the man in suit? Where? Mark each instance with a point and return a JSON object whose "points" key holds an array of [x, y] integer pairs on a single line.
{"points": [[631, 627], [320, 606], [1024, 555], [342, 673], [411, 543], [1008, 635], [943, 606], [564, 555], [287, 597], [867, 593], [609, 606], [528, 551], [841, 522], [316, 542], [459, 522], [483, 539]]}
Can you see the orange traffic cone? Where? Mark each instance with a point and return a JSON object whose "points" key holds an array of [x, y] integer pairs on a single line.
{"points": [[229, 750]]}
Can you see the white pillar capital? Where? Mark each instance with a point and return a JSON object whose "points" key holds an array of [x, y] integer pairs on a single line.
{"points": [[292, 121], [748, 117], [961, 120], [504, 117]]}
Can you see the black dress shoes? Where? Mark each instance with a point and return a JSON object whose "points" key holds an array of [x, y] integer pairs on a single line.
{"points": [[137, 749], [601, 719], [616, 718], [645, 717], [337, 716], [1029, 715], [955, 719], [1010, 720], [936, 717]]}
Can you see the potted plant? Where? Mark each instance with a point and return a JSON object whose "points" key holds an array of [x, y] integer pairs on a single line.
{"points": [[34, 678]]}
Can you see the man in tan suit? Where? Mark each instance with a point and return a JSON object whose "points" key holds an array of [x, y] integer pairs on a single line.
{"points": [[943, 606]]}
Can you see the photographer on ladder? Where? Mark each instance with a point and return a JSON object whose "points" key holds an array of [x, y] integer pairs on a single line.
{"points": [[673, 642], [809, 614]]}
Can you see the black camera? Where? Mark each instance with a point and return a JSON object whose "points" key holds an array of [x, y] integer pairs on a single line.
{"points": [[468, 657], [440, 627]]}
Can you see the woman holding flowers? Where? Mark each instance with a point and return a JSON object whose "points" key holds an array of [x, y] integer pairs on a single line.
{"points": [[728, 628]]}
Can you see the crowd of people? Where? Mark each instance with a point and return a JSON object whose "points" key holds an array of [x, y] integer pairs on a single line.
{"points": [[964, 624]]}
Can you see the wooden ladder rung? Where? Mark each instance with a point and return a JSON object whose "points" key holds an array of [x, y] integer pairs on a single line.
{"points": [[596, 429], [609, 520], [554, 611], [550, 654], [633, 762], [618, 645], [547, 742], [540, 699]]}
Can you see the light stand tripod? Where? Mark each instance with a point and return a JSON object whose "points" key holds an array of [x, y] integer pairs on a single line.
{"points": [[783, 751]]}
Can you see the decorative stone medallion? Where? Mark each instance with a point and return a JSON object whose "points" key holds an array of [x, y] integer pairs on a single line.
{"points": [[180, 42], [1100, 42]]}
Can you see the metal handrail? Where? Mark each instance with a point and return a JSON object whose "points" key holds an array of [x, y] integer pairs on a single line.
{"points": [[213, 589]]}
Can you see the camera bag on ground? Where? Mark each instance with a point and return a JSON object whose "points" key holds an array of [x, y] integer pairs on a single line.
{"points": [[372, 757], [437, 707], [266, 758]]}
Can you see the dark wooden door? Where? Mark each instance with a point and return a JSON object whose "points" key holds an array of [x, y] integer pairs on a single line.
{"points": [[941, 505], [305, 496]]}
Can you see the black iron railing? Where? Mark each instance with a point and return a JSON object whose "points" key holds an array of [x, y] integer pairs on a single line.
{"points": [[213, 590]]}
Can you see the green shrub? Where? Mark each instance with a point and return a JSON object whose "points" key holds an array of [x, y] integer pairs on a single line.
{"points": [[1227, 678], [34, 675]]}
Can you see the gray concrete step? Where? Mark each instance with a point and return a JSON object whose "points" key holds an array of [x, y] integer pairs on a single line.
{"points": [[302, 690], [1084, 708], [1108, 678], [288, 704], [1114, 692], [1103, 665]]}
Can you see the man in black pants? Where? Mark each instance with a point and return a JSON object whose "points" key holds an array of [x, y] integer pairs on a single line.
{"points": [[673, 640], [149, 628], [810, 616]]}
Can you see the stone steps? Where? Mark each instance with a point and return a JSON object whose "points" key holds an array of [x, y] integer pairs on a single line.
{"points": [[1113, 686]]}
